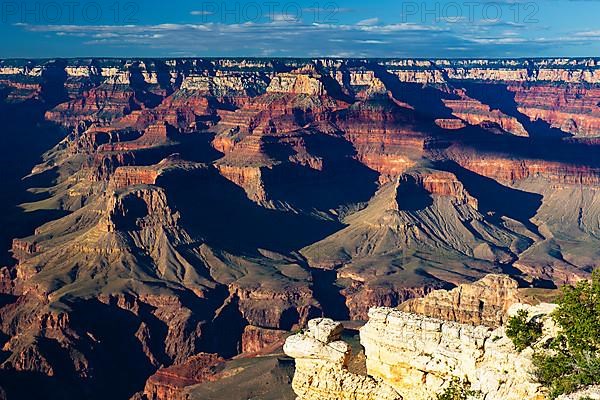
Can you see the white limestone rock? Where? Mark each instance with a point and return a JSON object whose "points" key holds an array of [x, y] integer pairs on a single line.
{"points": [[325, 330]]}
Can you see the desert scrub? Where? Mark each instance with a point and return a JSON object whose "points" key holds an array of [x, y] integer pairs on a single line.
{"points": [[458, 389], [522, 330], [571, 361]]}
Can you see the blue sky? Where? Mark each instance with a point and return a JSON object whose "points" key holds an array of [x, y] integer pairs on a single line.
{"points": [[315, 28]]}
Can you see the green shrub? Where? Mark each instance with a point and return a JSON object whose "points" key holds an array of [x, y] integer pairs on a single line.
{"points": [[572, 360], [458, 390], [578, 315], [522, 331]]}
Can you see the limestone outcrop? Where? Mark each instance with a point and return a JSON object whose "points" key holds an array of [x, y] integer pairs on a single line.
{"points": [[226, 84], [419, 355], [301, 81], [485, 302], [416, 357], [322, 367]]}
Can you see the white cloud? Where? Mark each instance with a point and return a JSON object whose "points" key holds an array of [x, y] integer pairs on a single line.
{"points": [[588, 34], [331, 10], [368, 22], [404, 26], [371, 41], [201, 12], [285, 36], [499, 40], [278, 17]]}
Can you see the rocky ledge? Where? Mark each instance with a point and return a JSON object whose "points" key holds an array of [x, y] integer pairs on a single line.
{"points": [[322, 366], [414, 356]]}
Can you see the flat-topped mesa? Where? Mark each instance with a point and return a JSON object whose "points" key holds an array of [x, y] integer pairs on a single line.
{"points": [[249, 178], [273, 114], [384, 135], [170, 383], [301, 81], [276, 112], [154, 135], [89, 138], [476, 113], [510, 170], [100, 105], [138, 208], [419, 355], [133, 175], [389, 165], [284, 308], [380, 118], [360, 83], [227, 84], [22, 248], [157, 132], [450, 123], [322, 362], [442, 183], [485, 302], [572, 108], [130, 175], [363, 78]]}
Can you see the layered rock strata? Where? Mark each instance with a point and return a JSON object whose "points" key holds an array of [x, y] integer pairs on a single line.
{"points": [[168, 383], [485, 302]]}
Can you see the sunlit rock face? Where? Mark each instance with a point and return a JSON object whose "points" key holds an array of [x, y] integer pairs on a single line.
{"points": [[322, 366], [485, 302], [418, 356]]}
